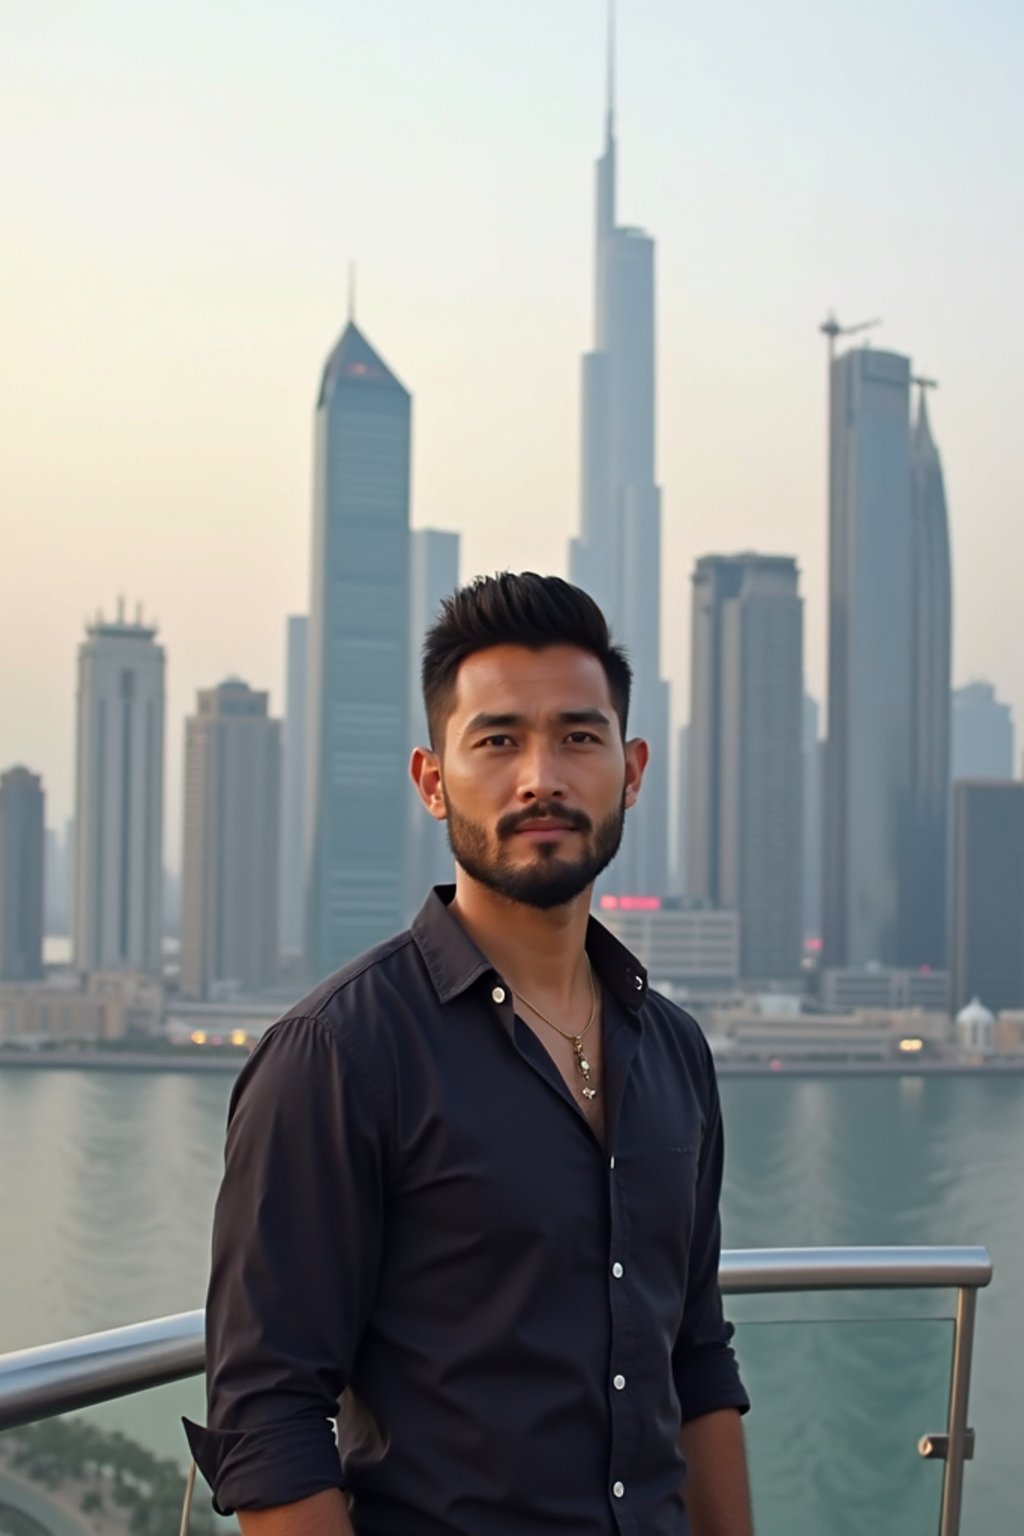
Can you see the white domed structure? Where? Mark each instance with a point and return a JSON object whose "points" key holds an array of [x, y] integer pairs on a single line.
{"points": [[975, 1029]]}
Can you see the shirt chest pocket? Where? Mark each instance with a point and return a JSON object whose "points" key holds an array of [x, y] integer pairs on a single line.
{"points": [[657, 1189]]}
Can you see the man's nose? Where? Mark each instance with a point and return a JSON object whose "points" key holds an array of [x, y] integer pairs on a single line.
{"points": [[541, 775]]}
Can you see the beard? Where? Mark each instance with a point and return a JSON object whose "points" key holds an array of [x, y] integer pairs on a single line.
{"points": [[549, 880]]}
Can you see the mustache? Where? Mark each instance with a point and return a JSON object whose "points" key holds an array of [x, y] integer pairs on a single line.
{"points": [[579, 821]]}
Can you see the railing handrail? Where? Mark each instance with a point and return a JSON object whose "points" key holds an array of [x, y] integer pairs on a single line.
{"points": [[77, 1373], [761, 1271]]}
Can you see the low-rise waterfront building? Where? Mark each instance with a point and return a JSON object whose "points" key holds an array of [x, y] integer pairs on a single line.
{"points": [[880, 986], [687, 946], [103, 1006], [975, 1029], [1008, 1035], [769, 1028]]}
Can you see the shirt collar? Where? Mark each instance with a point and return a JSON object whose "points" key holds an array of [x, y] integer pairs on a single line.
{"points": [[454, 962]]}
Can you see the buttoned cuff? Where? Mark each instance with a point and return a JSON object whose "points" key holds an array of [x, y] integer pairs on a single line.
{"points": [[266, 1467], [708, 1380]]}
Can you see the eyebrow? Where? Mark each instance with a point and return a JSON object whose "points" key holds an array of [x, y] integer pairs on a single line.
{"points": [[487, 722]]}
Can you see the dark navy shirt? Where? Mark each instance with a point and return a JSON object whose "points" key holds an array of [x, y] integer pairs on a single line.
{"points": [[419, 1232]]}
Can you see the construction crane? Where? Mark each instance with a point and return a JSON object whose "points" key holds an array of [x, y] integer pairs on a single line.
{"points": [[831, 328]]}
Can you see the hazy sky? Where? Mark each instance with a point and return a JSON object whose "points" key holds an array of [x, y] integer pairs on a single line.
{"points": [[183, 186]]}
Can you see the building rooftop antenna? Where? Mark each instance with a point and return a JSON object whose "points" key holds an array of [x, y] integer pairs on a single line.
{"points": [[611, 66]]}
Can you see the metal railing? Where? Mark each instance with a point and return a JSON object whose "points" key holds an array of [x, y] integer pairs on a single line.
{"points": [[78, 1373]]}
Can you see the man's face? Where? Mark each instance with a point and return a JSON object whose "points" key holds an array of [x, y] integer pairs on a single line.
{"points": [[534, 778]]}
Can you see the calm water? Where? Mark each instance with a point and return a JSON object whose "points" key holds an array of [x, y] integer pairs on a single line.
{"points": [[108, 1182]]}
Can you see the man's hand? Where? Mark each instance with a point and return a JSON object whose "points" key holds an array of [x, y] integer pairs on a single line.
{"points": [[716, 1492], [324, 1514]]}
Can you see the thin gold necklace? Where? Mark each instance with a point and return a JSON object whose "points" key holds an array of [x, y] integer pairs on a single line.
{"points": [[576, 1041]]}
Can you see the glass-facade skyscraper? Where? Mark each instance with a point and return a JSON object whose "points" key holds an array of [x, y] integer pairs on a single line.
{"points": [[293, 786], [22, 842], [868, 760], [988, 893], [230, 929], [119, 788], [358, 657], [887, 762], [744, 826], [982, 734]]}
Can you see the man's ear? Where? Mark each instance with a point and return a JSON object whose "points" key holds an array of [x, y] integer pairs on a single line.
{"points": [[637, 753], [425, 772]]}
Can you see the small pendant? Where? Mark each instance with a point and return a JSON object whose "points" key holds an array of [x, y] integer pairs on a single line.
{"points": [[584, 1069]]}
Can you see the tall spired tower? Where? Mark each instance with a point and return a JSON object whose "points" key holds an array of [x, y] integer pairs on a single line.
{"points": [[358, 683], [617, 555]]}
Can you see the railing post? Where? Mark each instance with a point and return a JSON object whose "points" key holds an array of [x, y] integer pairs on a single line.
{"points": [[956, 1422]]}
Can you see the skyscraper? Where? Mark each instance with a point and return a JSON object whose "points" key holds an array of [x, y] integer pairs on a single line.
{"points": [[617, 556], [678, 872], [988, 893], [57, 878], [230, 873], [433, 574], [868, 757], [22, 842], [293, 778], [744, 848], [982, 734], [924, 940], [117, 917], [813, 825], [358, 703]]}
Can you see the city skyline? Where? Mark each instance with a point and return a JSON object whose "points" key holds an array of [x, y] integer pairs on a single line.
{"points": [[738, 357]]}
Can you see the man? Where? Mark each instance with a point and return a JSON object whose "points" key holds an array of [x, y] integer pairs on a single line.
{"points": [[471, 1184]]}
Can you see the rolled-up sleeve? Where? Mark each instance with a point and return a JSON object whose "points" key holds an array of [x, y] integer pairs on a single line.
{"points": [[296, 1251], [703, 1363]]}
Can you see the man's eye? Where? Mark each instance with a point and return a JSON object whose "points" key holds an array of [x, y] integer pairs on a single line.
{"points": [[581, 738], [498, 740]]}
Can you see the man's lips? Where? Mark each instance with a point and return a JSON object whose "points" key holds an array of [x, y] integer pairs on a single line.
{"points": [[544, 830]]}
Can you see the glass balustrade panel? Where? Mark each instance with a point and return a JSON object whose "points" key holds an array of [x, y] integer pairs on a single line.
{"points": [[838, 1408]]}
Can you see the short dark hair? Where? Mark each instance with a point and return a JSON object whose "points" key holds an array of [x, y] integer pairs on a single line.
{"points": [[509, 609]]}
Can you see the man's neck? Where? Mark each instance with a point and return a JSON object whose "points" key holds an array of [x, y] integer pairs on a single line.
{"points": [[538, 951]]}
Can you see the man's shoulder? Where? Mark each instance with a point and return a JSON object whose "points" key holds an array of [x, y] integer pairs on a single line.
{"points": [[339, 1003], [682, 1028]]}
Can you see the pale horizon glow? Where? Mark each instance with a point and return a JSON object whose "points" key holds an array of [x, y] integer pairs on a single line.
{"points": [[184, 190]]}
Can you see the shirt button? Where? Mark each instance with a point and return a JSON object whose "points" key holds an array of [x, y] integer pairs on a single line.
{"points": [[618, 1382], [498, 995], [611, 1162], [618, 1489], [617, 1270]]}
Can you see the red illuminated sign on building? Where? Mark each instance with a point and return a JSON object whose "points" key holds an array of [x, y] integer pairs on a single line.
{"points": [[631, 903]]}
